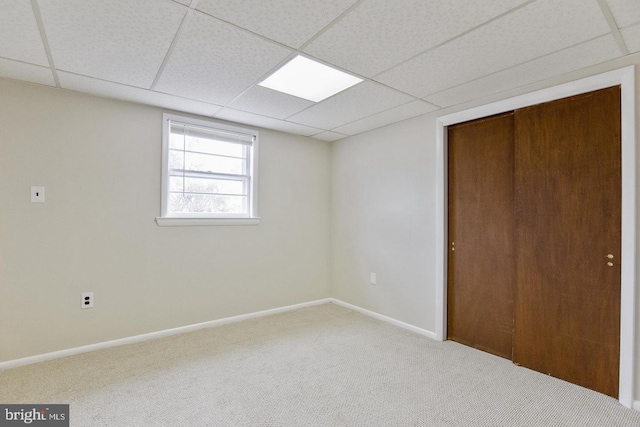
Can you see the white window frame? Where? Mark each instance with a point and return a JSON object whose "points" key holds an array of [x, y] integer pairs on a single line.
{"points": [[167, 218]]}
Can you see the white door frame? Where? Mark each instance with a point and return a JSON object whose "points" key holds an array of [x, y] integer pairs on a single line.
{"points": [[625, 77]]}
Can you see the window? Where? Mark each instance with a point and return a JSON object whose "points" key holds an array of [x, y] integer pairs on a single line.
{"points": [[208, 173]]}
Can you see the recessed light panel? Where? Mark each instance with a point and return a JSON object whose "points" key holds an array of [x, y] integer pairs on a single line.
{"points": [[309, 79]]}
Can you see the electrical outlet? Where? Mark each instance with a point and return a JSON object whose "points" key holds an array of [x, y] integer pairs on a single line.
{"points": [[373, 278], [87, 300]]}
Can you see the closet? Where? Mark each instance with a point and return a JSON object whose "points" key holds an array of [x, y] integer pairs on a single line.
{"points": [[534, 202]]}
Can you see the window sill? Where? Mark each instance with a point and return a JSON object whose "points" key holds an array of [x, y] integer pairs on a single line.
{"points": [[186, 222]]}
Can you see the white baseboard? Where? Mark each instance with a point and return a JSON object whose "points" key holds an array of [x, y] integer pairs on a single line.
{"points": [[211, 324], [636, 405], [154, 335], [384, 318]]}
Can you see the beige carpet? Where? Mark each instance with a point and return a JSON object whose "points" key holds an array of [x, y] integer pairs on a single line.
{"points": [[319, 366]]}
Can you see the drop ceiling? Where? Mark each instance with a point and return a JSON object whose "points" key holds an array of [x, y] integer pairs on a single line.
{"points": [[207, 56]]}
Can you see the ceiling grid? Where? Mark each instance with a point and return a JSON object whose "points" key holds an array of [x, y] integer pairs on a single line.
{"points": [[207, 57]]}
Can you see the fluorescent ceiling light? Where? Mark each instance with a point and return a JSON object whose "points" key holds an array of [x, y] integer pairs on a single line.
{"points": [[309, 79]]}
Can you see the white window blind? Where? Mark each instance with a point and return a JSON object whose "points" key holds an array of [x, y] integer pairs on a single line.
{"points": [[208, 170]]}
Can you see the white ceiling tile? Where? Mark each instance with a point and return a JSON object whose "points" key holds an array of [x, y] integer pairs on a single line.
{"points": [[379, 34], [27, 72], [538, 29], [19, 35], [631, 37], [357, 102], [265, 122], [625, 12], [571, 59], [271, 103], [291, 22], [118, 40], [215, 62], [403, 112], [329, 136], [134, 94]]}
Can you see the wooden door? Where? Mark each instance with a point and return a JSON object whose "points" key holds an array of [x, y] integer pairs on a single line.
{"points": [[481, 271], [568, 222]]}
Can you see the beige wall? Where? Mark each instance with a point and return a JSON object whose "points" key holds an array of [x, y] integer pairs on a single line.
{"points": [[384, 213], [331, 214], [383, 220], [99, 160]]}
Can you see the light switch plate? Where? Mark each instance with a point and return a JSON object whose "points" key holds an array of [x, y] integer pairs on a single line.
{"points": [[37, 194]]}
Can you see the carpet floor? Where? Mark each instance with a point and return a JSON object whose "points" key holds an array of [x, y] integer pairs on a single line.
{"points": [[317, 366]]}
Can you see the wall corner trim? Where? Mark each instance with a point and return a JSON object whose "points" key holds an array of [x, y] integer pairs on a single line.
{"points": [[384, 318], [154, 335]]}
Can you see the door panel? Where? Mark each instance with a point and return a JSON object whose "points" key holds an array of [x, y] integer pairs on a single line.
{"points": [[481, 270], [568, 219]]}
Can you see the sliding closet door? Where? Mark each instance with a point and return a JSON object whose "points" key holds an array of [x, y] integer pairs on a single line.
{"points": [[568, 216], [481, 271]]}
